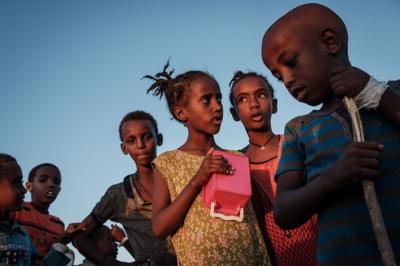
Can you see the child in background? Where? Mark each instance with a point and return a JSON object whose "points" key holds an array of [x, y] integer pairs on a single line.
{"points": [[321, 168], [194, 99], [44, 229], [16, 248], [104, 242], [253, 103], [130, 202]]}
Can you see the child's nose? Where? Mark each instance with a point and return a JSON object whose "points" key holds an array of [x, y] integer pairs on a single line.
{"points": [[287, 78], [217, 106], [254, 103], [140, 144]]}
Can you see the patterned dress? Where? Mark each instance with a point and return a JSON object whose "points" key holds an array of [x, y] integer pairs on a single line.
{"points": [[202, 240], [286, 247]]}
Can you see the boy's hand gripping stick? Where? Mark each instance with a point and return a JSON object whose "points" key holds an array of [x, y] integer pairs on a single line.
{"points": [[374, 209]]}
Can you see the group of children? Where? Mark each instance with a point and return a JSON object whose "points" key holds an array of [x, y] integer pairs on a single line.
{"points": [[307, 205]]}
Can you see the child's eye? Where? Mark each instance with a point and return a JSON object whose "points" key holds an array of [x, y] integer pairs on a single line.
{"points": [[263, 95], [291, 63], [205, 100], [241, 99], [130, 141], [148, 136], [219, 98], [57, 180]]}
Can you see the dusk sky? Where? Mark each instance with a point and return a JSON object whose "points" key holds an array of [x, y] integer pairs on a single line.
{"points": [[70, 70]]}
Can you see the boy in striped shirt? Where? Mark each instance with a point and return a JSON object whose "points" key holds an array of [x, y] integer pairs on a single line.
{"points": [[321, 168]]}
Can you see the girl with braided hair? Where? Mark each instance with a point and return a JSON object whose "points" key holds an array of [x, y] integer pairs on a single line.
{"points": [[194, 99]]}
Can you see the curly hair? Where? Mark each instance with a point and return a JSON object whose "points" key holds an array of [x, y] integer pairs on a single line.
{"points": [[5, 158], [239, 75], [137, 115], [174, 89], [33, 171]]}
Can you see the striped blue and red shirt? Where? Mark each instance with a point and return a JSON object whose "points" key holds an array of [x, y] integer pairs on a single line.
{"points": [[313, 143]]}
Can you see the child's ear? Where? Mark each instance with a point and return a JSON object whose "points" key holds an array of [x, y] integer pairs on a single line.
{"points": [[28, 186], [160, 139], [274, 105], [234, 114], [123, 148], [331, 41], [180, 113]]}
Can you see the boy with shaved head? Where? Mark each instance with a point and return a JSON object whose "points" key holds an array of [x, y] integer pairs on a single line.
{"points": [[321, 168]]}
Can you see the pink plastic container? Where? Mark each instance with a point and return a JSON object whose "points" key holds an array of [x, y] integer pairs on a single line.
{"points": [[228, 195]]}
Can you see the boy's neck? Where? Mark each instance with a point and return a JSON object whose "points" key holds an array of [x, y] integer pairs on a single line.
{"points": [[42, 208], [144, 172]]}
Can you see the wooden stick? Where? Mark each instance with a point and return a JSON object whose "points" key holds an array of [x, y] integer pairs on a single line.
{"points": [[371, 200]]}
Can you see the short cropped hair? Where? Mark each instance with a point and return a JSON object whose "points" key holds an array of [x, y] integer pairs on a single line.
{"points": [[137, 115], [33, 171]]}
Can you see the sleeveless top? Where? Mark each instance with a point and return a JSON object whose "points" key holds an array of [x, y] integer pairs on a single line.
{"points": [[286, 247], [202, 240]]}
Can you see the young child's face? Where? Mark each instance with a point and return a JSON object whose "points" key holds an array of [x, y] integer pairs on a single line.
{"points": [[298, 60], [139, 141], [204, 110], [12, 190], [45, 185], [253, 103]]}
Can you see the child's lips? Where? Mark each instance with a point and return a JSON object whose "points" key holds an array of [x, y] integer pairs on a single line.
{"points": [[217, 120], [256, 117], [143, 156], [298, 92], [51, 194], [301, 96]]}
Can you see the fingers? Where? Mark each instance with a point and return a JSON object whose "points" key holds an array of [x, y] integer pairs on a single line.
{"points": [[217, 163], [361, 160], [366, 146], [80, 226], [348, 81]]}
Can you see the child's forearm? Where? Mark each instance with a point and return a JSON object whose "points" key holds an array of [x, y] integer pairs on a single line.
{"points": [[296, 202], [169, 219]]}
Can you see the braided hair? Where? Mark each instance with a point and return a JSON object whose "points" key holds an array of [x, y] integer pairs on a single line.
{"points": [[239, 75], [174, 89]]}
